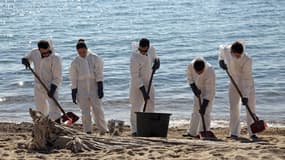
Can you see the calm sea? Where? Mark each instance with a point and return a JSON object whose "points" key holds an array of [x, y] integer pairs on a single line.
{"points": [[180, 30]]}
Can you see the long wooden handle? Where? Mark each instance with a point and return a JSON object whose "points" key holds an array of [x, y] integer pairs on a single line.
{"points": [[202, 116], [45, 87], [148, 89], [239, 92]]}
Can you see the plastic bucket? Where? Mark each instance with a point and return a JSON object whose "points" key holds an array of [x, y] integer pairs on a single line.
{"points": [[152, 124]]}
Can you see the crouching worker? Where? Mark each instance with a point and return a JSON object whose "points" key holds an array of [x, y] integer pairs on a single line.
{"points": [[143, 61], [86, 75], [47, 65], [201, 77]]}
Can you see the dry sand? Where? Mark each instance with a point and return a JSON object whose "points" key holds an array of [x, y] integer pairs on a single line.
{"points": [[271, 146]]}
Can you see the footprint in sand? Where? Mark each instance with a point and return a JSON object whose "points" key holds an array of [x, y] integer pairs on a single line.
{"points": [[6, 148], [277, 151], [20, 151], [5, 139], [266, 157], [240, 158], [5, 155], [141, 153], [216, 154], [178, 150], [130, 153], [174, 155], [253, 155], [268, 149]]}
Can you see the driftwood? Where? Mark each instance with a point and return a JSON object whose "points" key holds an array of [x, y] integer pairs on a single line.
{"points": [[47, 135]]}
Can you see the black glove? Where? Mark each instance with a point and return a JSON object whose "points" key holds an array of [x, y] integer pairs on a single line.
{"points": [[73, 94], [25, 62], [156, 64], [145, 96], [100, 89], [223, 65], [195, 89], [244, 101], [204, 106], [52, 90]]}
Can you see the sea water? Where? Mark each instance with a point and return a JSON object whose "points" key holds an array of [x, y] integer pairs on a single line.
{"points": [[179, 30]]}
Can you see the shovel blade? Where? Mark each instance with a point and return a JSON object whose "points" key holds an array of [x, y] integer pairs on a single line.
{"points": [[207, 135], [69, 118], [258, 126]]}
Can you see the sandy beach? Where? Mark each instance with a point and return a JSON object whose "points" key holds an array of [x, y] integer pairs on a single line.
{"points": [[13, 138]]}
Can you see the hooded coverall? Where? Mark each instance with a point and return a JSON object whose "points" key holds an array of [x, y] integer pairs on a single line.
{"points": [[84, 75], [140, 70], [49, 70], [241, 71], [206, 82]]}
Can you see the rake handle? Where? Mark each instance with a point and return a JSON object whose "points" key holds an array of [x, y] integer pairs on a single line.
{"points": [[239, 92], [45, 87]]}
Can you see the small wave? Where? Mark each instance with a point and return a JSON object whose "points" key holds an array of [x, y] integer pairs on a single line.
{"points": [[16, 99]]}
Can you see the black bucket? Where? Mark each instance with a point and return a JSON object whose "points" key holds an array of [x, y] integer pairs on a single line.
{"points": [[152, 124]]}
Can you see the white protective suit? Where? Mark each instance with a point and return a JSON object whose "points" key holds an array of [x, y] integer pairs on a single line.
{"points": [[241, 71], [140, 70], [206, 82], [84, 75], [50, 72]]}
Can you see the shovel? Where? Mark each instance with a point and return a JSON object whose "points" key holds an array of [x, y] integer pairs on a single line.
{"points": [[205, 134], [68, 118], [258, 125]]}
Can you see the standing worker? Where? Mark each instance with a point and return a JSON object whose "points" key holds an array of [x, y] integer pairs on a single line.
{"points": [[86, 75], [143, 61], [234, 59], [202, 80], [47, 65]]}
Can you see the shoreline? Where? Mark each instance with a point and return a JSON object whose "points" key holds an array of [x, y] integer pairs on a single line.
{"points": [[216, 123]]}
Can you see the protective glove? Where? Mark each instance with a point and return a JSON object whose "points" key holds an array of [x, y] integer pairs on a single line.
{"points": [[25, 62], [73, 94], [52, 90], [204, 106], [244, 101], [100, 90], [195, 89], [156, 64], [145, 96], [223, 65]]}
